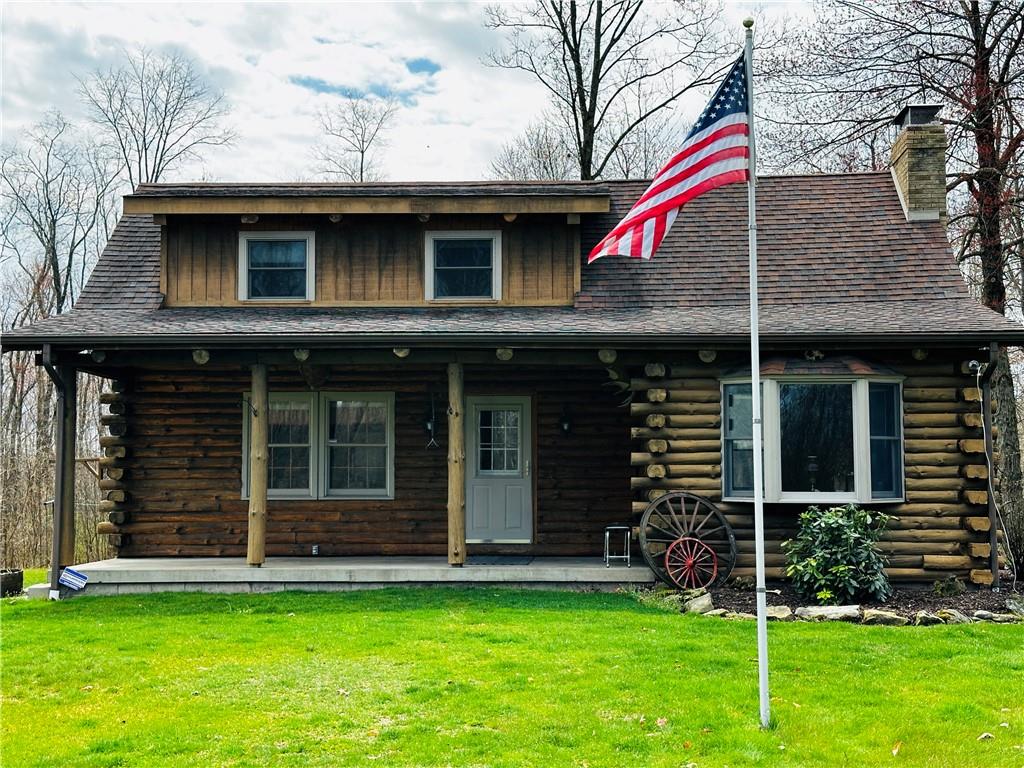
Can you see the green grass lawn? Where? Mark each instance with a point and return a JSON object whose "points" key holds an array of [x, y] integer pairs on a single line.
{"points": [[443, 677]]}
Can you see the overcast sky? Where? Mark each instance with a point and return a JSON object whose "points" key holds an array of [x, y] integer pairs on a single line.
{"points": [[278, 62]]}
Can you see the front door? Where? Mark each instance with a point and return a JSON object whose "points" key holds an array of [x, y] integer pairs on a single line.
{"points": [[499, 488]]}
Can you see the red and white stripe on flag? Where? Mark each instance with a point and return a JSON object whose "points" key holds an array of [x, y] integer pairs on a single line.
{"points": [[714, 154]]}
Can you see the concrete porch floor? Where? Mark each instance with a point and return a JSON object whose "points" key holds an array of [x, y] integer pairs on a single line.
{"points": [[314, 574]]}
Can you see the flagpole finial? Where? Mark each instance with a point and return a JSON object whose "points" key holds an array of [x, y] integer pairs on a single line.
{"points": [[749, 22]]}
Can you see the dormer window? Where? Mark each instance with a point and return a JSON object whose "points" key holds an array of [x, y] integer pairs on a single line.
{"points": [[463, 266], [276, 266]]}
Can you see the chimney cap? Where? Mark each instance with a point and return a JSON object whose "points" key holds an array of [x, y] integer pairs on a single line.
{"points": [[917, 114]]}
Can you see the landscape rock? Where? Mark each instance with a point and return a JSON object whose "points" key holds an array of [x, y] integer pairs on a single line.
{"points": [[779, 612], [953, 616], [887, 618], [1006, 618], [1015, 604], [699, 604], [740, 616], [925, 619], [716, 612], [829, 612], [984, 615]]}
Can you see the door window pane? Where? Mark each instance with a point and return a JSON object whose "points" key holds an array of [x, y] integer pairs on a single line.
{"points": [[288, 445], [357, 439], [276, 269], [816, 422], [498, 440], [463, 268], [886, 442]]}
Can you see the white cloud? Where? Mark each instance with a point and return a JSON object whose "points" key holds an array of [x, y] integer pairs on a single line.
{"points": [[451, 124]]}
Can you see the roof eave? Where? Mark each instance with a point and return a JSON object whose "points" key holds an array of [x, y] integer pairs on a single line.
{"points": [[366, 204]]}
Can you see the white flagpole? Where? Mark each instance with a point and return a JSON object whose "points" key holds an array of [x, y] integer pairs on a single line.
{"points": [[755, 392]]}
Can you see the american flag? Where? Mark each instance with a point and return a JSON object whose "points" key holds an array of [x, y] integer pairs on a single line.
{"points": [[715, 153]]}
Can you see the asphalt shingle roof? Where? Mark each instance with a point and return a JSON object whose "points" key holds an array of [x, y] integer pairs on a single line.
{"points": [[838, 260]]}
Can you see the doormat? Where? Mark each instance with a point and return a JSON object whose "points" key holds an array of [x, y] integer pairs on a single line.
{"points": [[499, 560]]}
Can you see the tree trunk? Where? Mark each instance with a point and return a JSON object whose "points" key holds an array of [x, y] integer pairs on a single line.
{"points": [[1010, 488]]}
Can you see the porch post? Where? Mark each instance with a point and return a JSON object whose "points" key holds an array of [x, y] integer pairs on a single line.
{"points": [[258, 427], [67, 445], [456, 468]]}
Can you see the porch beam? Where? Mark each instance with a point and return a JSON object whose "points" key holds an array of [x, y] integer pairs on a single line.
{"points": [[67, 445], [456, 467], [258, 453]]}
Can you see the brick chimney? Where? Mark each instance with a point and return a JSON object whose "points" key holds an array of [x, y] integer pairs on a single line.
{"points": [[919, 163]]}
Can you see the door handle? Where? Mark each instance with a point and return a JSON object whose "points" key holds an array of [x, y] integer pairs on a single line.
{"points": [[527, 468]]}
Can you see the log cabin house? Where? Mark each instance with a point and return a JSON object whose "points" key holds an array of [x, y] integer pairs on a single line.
{"points": [[382, 372]]}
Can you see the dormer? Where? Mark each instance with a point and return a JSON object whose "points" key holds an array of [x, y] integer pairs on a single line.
{"points": [[343, 245]]}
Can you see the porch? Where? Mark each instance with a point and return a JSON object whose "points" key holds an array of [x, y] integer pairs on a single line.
{"points": [[322, 574]]}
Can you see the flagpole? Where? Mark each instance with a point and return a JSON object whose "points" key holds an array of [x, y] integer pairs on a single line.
{"points": [[755, 392]]}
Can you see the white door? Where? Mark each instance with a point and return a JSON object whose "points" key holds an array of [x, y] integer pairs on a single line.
{"points": [[499, 488]]}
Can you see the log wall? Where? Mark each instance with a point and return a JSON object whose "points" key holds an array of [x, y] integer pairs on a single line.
{"points": [[173, 469], [940, 530], [370, 260]]}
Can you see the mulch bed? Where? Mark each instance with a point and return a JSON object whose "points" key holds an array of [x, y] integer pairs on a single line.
{"points": [[905, 601]]}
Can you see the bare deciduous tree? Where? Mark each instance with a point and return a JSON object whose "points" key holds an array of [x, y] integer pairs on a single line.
{"points": [[834, 93], [354, 130], [592, 57], [542, 153], [56, 202], [157, 110]]}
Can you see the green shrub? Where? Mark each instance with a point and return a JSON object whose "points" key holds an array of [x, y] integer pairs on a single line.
{"points": [[951, 586], [834, 558]]}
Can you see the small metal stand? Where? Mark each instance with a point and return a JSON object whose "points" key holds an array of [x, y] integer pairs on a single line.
{"points": [[626, 532]]}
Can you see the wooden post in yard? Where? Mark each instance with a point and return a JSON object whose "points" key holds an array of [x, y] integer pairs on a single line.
{"points": [[68, 448], [456, 468], [258, 453]]}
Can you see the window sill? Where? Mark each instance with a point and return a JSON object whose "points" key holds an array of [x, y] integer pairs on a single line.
{"points": [[283, 300], [815, 500], [465, 300]]}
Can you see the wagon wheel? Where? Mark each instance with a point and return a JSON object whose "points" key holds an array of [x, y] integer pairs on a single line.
{"points": [[686, 541]]}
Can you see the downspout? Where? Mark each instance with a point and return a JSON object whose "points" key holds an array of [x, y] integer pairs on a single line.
{"points": [[985, 380], [58, 471]]}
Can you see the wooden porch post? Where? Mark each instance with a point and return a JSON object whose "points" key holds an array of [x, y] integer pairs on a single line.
{"points": [[258, 428], [456, 468], [67, 446]]}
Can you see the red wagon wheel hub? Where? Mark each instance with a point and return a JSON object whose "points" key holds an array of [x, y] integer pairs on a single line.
{"points": [[691, 563]]}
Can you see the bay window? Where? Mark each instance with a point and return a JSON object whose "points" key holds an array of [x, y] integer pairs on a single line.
{"points": [[826, 439]]}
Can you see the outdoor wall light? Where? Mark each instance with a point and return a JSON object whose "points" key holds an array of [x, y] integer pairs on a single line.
{"points": [[565, 420]]}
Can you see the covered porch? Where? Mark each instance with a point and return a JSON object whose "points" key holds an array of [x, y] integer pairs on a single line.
{"points": [[121, 576]]}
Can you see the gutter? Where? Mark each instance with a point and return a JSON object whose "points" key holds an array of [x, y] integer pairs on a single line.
{"points": [[641, 340]]}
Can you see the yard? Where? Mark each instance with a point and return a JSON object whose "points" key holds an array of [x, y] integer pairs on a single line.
{"points": [[424, 677]]}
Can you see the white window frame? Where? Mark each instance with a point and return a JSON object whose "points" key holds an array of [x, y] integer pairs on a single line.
{"points": [[494, 235], [318, 452], [243, 264], [772, 438], [314, 439], [388, 492]]}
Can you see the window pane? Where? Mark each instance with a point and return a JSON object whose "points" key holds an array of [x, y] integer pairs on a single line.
{"points": [[353, 421], [886, 482], [739, 411], [288, 468], [817, 437], [282, 254], [277, 283], [462, 283], [740, 462], [884, 404], [498, 440], [462, 253], [358, 468], [289, 422], [884, 408]]}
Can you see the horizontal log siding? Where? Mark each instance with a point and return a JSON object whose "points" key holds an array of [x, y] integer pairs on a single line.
{"points": [[182, 466], [932, 536], [370, 260]]}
